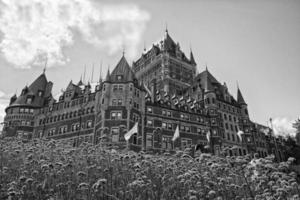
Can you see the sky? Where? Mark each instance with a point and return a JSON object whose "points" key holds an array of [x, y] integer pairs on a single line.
{"points": [[254, 42]]}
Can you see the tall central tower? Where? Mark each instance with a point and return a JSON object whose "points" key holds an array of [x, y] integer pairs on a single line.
{"points": [[166, 66]]}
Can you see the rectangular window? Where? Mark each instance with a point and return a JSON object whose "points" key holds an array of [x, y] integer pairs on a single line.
{"points": [[166, 142], [115, 87], [29, 100], [114, 102], [149, 109], [169, 126], [115, 134], [164, 125], [168, 113], [187, 129], [164, 112], [119, 102], [149, 123], [116, 115], [89, 124], [199, 130], [149, 140]]}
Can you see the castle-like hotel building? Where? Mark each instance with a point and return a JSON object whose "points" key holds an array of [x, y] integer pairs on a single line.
{"points": [[160, 91]]}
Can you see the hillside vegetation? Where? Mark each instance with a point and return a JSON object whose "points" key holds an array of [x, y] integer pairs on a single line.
{"points": [[41, 169]]}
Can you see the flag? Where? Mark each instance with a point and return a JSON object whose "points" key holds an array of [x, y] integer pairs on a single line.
{"points": [[208, 136], [132, 131], [265, 130], [176, 134], [240, 133], [148, 90]]}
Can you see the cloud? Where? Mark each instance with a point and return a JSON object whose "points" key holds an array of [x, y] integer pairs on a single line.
{"points": [[283, 126], [4, 101], [33, 30]]}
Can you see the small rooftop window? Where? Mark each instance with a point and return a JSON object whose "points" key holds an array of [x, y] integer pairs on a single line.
{"points": [[119, 77]]}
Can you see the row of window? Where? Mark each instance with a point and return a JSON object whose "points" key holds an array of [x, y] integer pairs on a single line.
{"points": [[120, 88], [183, 116], [167, 142], [230, 117], [26, 110], [62, 105], [171, 126], [117, 102], [229, 108], [74, 127], [117, 115], [231, 127], [66, 116]]}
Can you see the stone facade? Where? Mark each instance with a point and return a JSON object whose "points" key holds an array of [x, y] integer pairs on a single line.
{"points": [[161, 91]]}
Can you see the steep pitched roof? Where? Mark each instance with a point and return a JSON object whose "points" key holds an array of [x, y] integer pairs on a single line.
{"points": [[39, 83], [240, 98], [122, 72], [169, 44], [207, 80]]}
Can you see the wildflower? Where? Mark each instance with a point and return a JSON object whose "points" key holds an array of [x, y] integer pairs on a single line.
{"points": [[22, 179], [29, 181], [81, 174], [83, 186], [211, 194]]}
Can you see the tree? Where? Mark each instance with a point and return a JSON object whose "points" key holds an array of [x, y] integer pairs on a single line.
{"points": [[296, 125]]}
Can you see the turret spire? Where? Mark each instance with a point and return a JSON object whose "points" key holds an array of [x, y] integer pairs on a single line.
{"points": [[45, 66], [107, 75], [240, 98], [192, 60]]}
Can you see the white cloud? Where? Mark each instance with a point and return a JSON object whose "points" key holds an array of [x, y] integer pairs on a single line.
{"points": [[4, 101], [37, 29], [283, 126]]}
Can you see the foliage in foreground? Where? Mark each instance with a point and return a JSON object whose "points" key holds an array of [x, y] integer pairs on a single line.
{"points": [[53, 170]]}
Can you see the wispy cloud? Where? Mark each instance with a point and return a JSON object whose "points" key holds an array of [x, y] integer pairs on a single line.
{"points": [[283, 126], [34, 30]]}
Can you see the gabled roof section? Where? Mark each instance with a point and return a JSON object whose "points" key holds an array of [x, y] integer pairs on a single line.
{"points": [[240, 98], [122, 72]]}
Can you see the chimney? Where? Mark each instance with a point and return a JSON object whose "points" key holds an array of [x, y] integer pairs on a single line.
{"points": [[153, 89], [48, 89]]}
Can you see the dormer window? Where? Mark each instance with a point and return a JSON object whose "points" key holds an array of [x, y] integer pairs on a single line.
{"points": [[29, 100], [40, 93], [119, 77]]}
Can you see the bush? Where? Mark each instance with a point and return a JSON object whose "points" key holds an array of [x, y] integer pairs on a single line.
{"points": [[41, 169]]}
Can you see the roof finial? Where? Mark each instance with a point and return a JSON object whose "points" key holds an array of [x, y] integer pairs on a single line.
{"points": [[166, 27], [84, 74], [100, 79], [123, 52], [45, 67], [237, 84], [206, 67], [92, 76], [144, 46]]}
